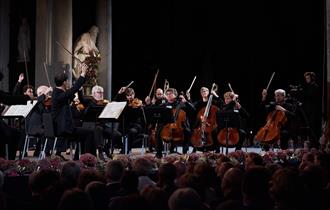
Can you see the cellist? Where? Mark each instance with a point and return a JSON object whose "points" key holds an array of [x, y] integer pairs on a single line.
{"points": [[200, 106], [180, 107], [279, 105], [232, 104]]}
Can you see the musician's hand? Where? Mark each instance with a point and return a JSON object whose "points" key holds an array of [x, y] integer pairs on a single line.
{"points": [[279, 108], [122, 90], [21, 77], [188, 95], [238, 105], [182, 98], [147, 100], [83, 69], [264, 94]]}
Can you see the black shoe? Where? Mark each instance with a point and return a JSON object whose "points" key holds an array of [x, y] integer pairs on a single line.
{"points": [[36, 153]]}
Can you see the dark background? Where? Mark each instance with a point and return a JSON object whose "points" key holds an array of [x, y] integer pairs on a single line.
{"points": [[241, 42]]}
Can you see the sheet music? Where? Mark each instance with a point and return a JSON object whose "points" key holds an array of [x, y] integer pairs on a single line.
{"points": [[113, 110], [19, 110]]}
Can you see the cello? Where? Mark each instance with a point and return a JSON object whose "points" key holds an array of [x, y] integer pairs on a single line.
{"points": [[202, 135], [270, 133], [175, 131], [229, 136]]}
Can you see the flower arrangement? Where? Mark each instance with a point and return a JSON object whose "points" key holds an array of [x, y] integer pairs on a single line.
{"points": [[92, 61], [88, 160]]}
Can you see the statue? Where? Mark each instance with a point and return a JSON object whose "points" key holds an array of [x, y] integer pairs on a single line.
{"points": [[85, 49], [23, 41]]}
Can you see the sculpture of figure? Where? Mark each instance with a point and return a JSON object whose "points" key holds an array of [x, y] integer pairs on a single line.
{"points": [[84, 45], [23, 41]]}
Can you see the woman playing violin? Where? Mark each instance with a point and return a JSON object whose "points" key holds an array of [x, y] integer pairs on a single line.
{"points": [[280, 106]]}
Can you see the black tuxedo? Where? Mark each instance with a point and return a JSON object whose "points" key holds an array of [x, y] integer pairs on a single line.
{"points": [[63, 119]]}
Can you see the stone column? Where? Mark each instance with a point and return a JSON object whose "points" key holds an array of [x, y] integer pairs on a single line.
{"points": [[4, 43], [104, 43], [327, 71], [53, 23], [62, 33]]}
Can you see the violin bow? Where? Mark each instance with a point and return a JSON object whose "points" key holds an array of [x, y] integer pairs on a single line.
{"points": [[46, 72], [26, 70], [66, 50], [27, 73], [154, 82], [271, 78], [127, 86]]}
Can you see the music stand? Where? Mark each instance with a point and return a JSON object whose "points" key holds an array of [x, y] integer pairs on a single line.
{"points": [[111, 112], [159, 114], [228, 119], [91, 115]]}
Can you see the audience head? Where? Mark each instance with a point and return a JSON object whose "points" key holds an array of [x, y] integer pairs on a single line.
{"points": [[185, 198], [142, 167], [69, 174], [43, 180], [75, 199], [114, 171]]}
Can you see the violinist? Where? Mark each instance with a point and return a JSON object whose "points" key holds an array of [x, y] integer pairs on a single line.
{"points": [[87, 103], [132, 119], [34, 120], [181, 128], [286, 108], [157, 100], [232, 104]]}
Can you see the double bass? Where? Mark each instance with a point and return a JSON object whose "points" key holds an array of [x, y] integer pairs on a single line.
{"points": [[202, 135]]}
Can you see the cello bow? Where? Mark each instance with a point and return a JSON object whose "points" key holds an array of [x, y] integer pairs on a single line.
{"points": [[153, 83]]}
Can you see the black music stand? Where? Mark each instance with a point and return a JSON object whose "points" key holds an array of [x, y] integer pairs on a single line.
{"points": [[90, 117], [228, 119], [160, 115]]}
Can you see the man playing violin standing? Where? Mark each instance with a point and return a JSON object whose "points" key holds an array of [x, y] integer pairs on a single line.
{"points": [[279, 106]]}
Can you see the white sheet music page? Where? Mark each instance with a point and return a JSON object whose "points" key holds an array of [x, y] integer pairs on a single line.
{"points": [[19, 110], [113, 110]]}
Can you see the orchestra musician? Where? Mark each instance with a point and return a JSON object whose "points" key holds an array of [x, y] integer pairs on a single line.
{"points": [[132, 120], [101, 128], [232, 104], [200, 106], [283, 107], [177, 104], [157, 100], [62, 113], [10, 135]]}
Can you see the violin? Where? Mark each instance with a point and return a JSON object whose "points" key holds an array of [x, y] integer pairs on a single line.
{"points": [[135, 103]]}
